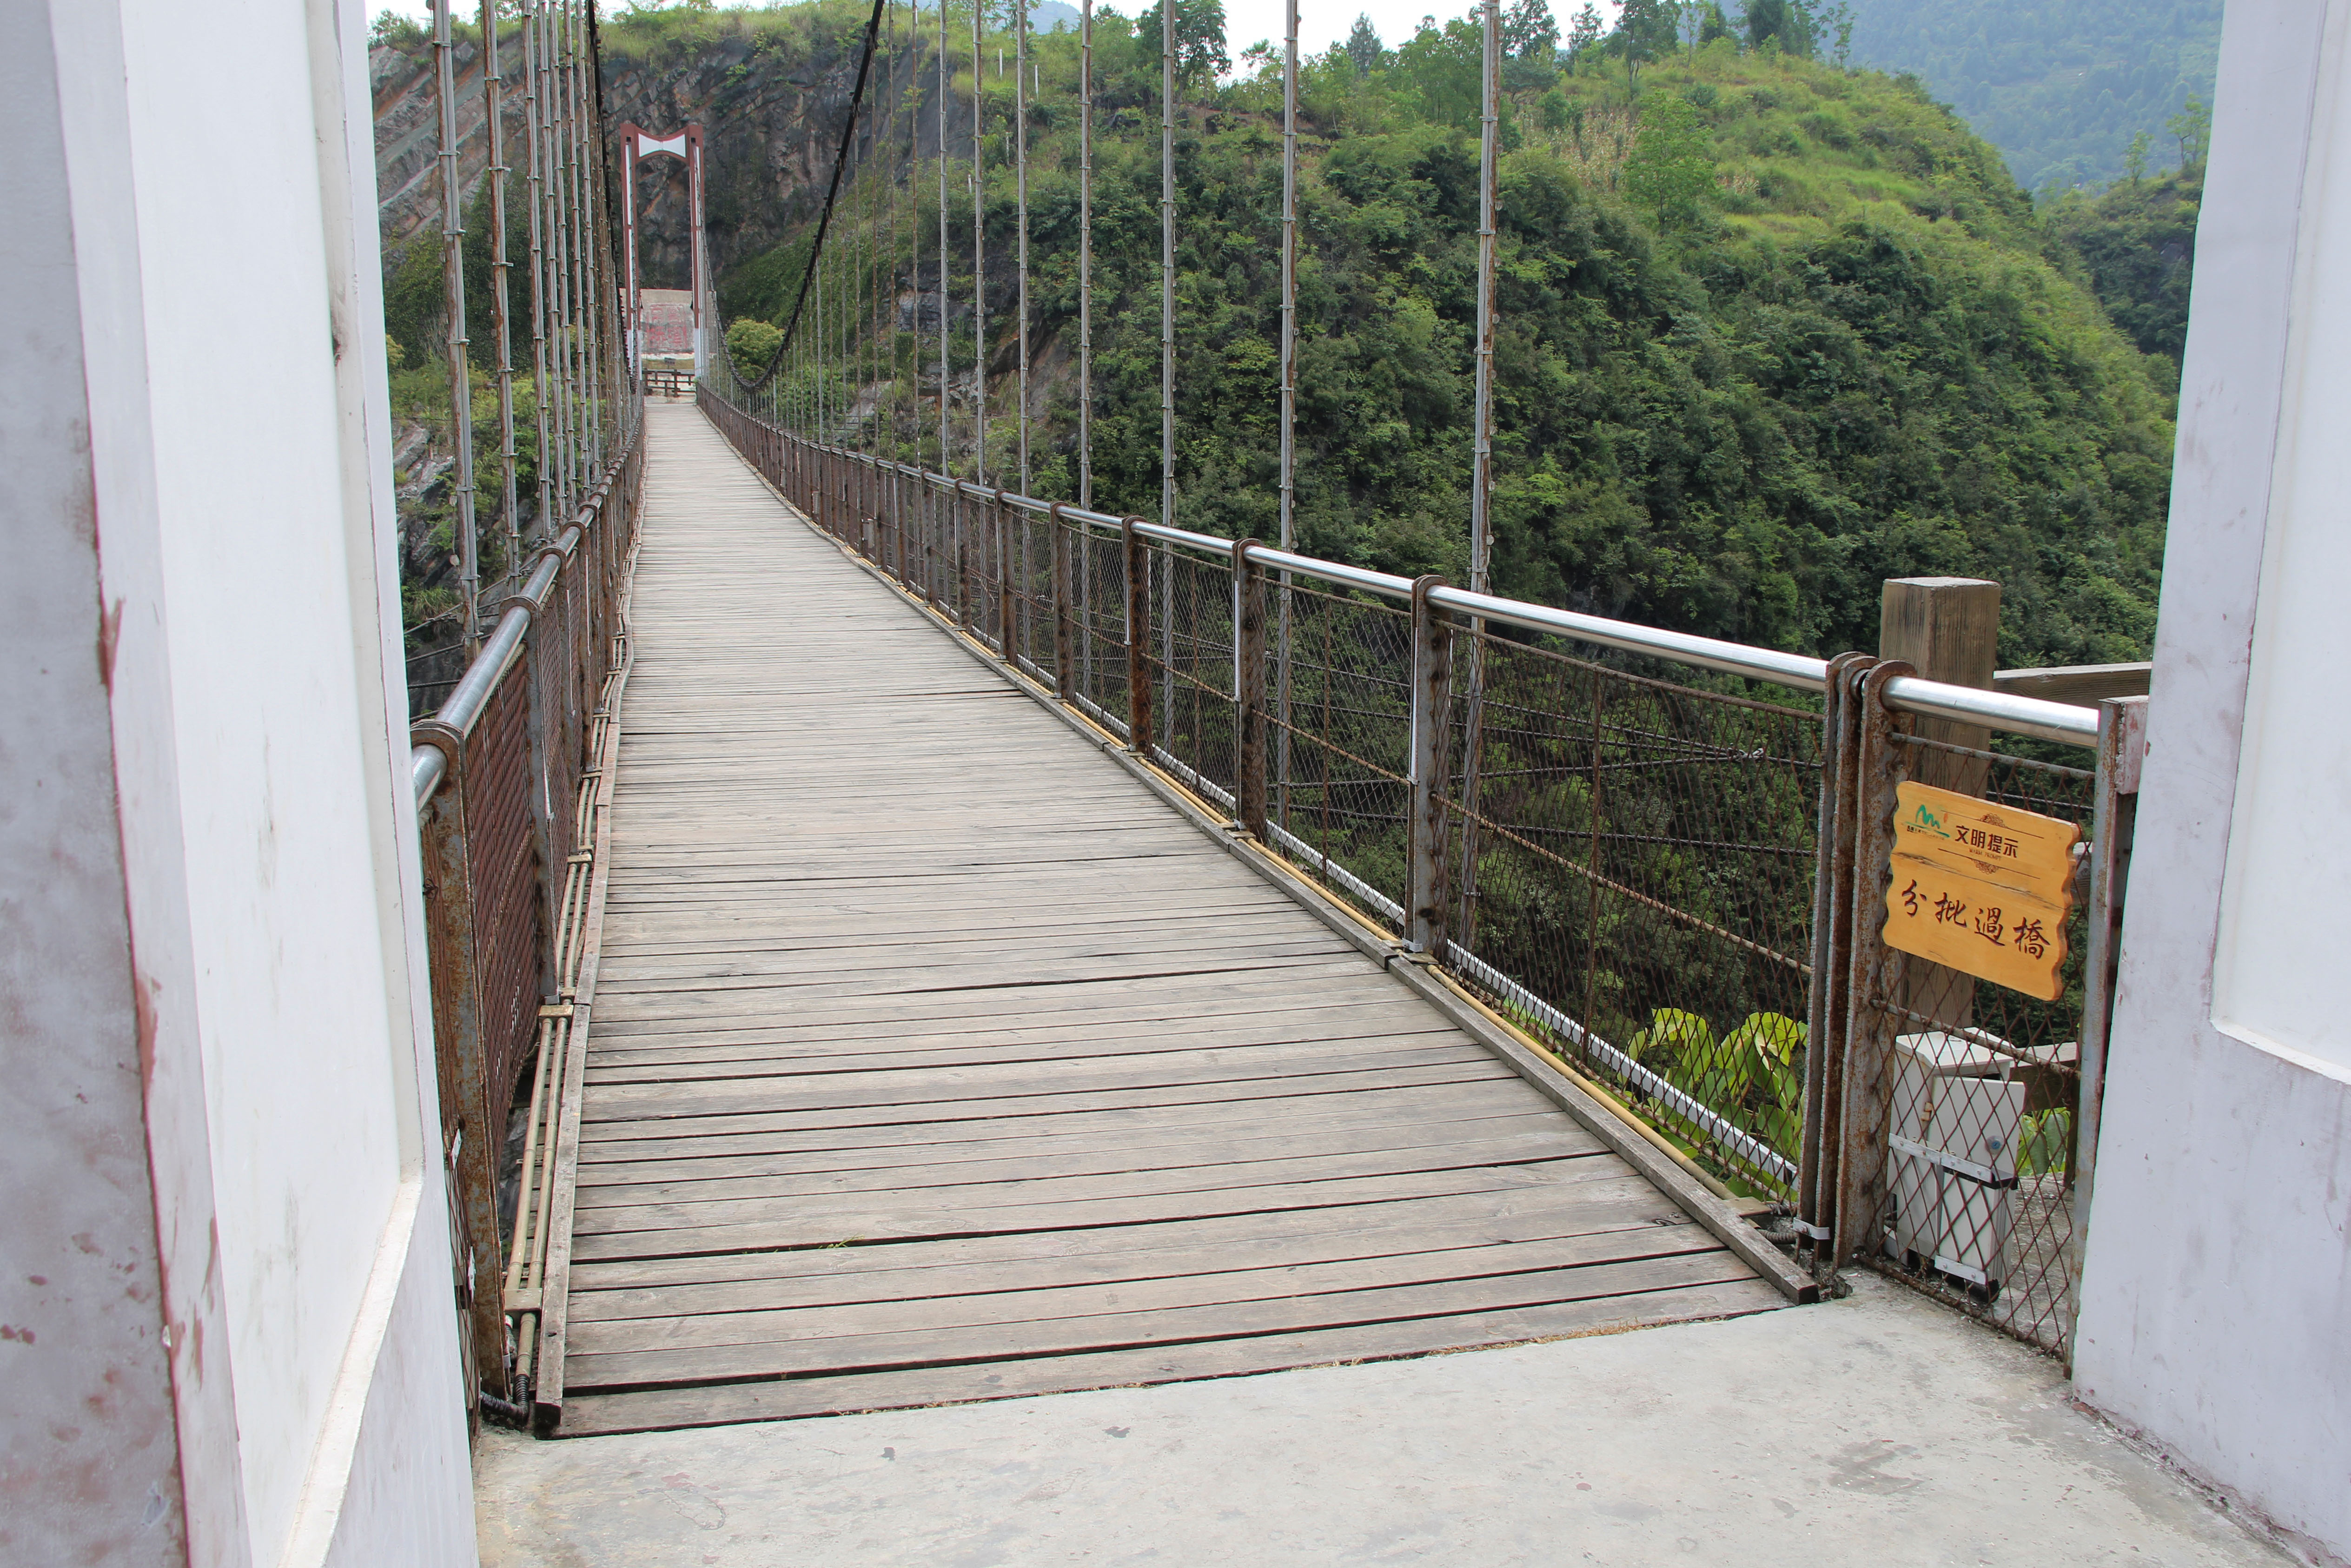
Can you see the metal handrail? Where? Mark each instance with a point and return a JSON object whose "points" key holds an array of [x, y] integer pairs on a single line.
{"points": [[2032, 717], [428, 764]]}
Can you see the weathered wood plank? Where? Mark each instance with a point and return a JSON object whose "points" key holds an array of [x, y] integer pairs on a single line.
{"points": [[1473, 1271], [707, 1405], [666, 1230], [1709, 1265], [921, 1270], [929, 1165], [1499, 1212], [1039, 1181]]}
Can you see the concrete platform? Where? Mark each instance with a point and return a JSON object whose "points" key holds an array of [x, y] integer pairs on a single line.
{"points": [[1878, 1430]]}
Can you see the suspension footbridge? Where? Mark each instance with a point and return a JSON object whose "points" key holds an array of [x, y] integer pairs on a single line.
{"points": [[901, 939], [842, 920]]}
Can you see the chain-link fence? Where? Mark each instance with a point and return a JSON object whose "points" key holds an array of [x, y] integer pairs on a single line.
{"points": [[1986, 1079], [1636, 884]]}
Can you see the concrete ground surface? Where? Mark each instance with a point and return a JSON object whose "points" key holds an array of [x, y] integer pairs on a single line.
{"points": [[1877, 1430]]}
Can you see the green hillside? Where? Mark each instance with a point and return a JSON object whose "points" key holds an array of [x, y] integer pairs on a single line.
{"points": [[2137, 239], [1770, 332], [2059, 85]]}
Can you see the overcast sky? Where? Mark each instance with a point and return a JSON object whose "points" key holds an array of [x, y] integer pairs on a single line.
{"points": [[1320, 25]]}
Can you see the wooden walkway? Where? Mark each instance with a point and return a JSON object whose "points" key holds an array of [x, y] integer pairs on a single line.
{"points": [[935, 1060]]}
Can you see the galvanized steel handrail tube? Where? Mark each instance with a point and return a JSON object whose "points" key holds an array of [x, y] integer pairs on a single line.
{"points": [[453, 722], [2031, 716]]}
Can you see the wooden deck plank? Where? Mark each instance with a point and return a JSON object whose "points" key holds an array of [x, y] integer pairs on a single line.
{"points": [[1038, 1181], [1703, 1263], [895, 1271], [1292, 1087], [1411, 1105], [1048, 1315], [932, 1059], [1099, 1252], [673, 1230], [926, 1163], [1012, 1378]]}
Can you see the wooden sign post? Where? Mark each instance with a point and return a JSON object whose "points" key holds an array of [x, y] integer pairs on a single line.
{"points": [[1981, 888]]}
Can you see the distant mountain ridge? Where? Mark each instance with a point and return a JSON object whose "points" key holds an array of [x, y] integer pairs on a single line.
{"points": [[2058, 86]]}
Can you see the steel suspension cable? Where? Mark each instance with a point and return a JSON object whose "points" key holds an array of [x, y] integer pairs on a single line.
{"points": [[558, 268], [568, 214], [809, 272], [453, 281], [946, 455], [1168, 350], [1021, 162], [583, 326], [1168, 263], [1289, 397], [535, 187], [591, 283], [979, 252], [1481, 476], [1086, 256], [493, 113], [886, 329], [860, 251]]}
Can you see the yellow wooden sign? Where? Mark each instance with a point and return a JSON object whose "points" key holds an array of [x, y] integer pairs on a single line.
{"points": [[1982, 888]]}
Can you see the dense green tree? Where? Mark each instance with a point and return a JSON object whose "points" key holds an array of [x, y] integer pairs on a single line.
{"points": [[1670, 169], [1529, 31], [2138, 242], [1785, 25], [1363, 46], [752, 342], [1645, 32], [2192, 128], [1584, 36], [1201, 55]]}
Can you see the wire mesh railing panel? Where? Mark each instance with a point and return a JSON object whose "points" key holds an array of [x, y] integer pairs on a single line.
{"points": [[1636, 859], [1341, 739], [1191, 652], [1986, 1079], [1031, 561], [1098, 566], [504, 862]]}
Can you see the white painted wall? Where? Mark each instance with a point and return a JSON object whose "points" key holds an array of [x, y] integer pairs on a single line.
{"points": [[218, 211], [2216, 1305], [81, 1318]]}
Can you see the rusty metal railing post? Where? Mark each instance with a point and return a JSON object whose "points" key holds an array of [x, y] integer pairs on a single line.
{"points": [[1248, 690], [1138, 635], [869, 522], [2122, 754], [472, 1141], [1865, 1094], [1007, 641], [898, 524], [1431, 698], [965, 597], [929, 543], [1831, 951], [1065, 651]]}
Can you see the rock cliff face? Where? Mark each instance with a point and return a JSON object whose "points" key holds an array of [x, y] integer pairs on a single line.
{"points": [[771, 107]]}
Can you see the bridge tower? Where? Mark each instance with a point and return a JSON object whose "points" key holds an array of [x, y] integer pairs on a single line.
{"points": [[636, 143]]}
